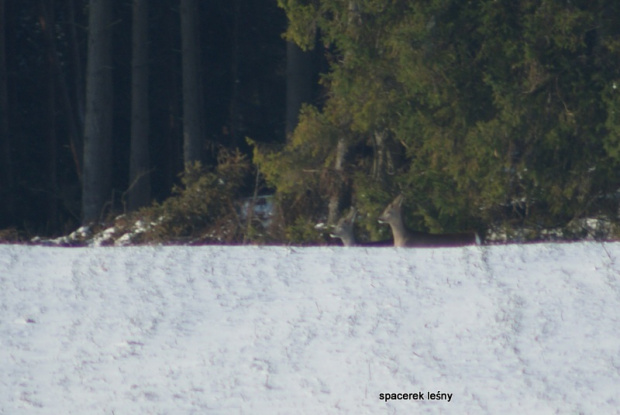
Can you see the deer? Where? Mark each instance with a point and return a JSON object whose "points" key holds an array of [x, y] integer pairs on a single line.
{"points": [[344, 231], [403, 237]]}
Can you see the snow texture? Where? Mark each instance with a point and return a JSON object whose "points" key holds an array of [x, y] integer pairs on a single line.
{"points": [[514, 329]]}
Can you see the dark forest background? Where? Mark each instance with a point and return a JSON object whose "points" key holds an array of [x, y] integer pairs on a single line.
{"points": [[489, 115], [242, 69]]}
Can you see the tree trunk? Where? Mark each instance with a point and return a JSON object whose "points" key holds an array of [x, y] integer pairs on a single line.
{"points": [[46, 19], [335, 199], [299, 74], [139, 178], [52, 157], [353, 21], [235, 109], [96, 185], [77, 74], [193, 131], [6, 173], [173, 146]]}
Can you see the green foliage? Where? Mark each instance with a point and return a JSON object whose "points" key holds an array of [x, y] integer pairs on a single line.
{"points": [[202, 207], [507, 112], [302, 231], [298, 166], [371, 197], [301, 173], [302, 22]]}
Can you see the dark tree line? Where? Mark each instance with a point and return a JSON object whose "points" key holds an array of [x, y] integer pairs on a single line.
{"points": [[484, 114], [103, 101]]}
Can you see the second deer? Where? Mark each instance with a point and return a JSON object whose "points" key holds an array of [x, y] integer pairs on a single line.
{"points": [[392, 215], [344, 231]]}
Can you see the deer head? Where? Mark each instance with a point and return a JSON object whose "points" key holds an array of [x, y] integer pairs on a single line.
{"points": [[393, 211], [344, 228]]}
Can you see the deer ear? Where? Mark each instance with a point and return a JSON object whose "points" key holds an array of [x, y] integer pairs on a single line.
{"points": [[351, 215], [399, 200]]}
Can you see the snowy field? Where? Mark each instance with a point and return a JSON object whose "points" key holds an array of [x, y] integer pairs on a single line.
{"points": [[516, 329]]}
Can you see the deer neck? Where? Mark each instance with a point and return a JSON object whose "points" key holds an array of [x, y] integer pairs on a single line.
{"points": [[347, 240], [399, 231]]}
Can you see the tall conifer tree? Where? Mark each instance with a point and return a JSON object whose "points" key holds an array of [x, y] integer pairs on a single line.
{"points": [[193, 108], [139, 179], [96, 187]]}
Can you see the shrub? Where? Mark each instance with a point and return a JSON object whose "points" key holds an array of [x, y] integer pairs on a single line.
{"points": [[201, 209]]}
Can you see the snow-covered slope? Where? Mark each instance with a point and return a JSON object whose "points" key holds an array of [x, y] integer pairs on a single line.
{"points": [[518, 329]]}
